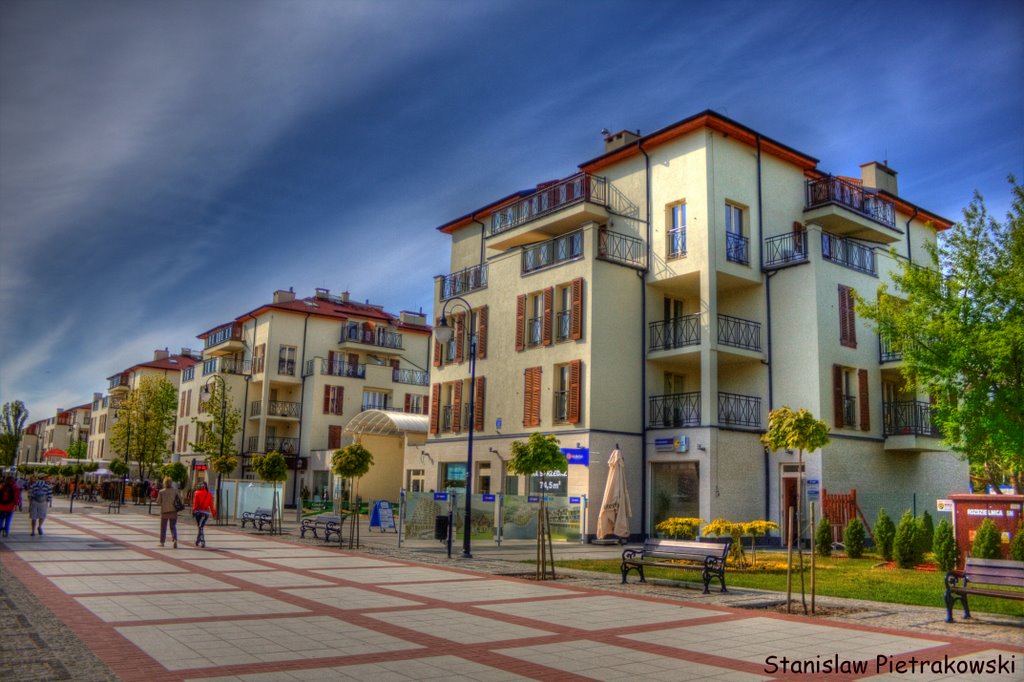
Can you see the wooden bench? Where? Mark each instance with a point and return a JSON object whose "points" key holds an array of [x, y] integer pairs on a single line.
{"points": [[262, 516], [983, 577], [328, 523], [706, 557]]}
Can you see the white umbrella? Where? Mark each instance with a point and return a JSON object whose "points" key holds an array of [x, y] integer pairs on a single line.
{"points": [[99, 472], [614, 516]]}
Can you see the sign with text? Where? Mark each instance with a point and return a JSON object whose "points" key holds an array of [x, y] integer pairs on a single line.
{"points": [[489, 498], [550, 483], [944, 505], [383, 516], [577, 455], [441, 496]]}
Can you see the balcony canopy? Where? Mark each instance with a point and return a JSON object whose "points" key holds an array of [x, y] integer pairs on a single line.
{"points": [[387, 423]]}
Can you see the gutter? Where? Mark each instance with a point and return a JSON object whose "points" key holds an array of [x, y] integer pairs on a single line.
{"points": [[768, 328], [642, 276]]}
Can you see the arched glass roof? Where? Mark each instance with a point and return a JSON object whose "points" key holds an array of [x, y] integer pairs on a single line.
{"points": [[387, 423]]}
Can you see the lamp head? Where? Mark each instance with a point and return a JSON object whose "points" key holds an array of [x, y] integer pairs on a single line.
{"points": [[443, 332]]}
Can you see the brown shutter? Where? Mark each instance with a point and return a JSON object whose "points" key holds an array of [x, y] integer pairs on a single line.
{"points": [[460, 337], [426, 404], [478, 404], [395, 364], [847, 319], [481, 335], [521, 322], [408, 403], [575, 368], [188, 403], [333, 437], [837, 395], [576, 321], [437, 348], [184, 440], [531, 397], [862, 398], [327, 399], [546, 326], [457, 406], [435, 399], [340, 400], [330, 362]]}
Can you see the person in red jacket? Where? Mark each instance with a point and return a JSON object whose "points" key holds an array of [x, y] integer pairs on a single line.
{"points": [[202, 510], [8, 501]]}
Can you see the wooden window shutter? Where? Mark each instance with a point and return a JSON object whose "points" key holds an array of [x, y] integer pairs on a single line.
{"points": [[426, 404], [435, 399], [339, 399], [531, 397], [521, 322], [408, 403], [330, 362], [437, 350], [546, 325], [460, 337], [181, 406], [478, 404], [184, 440], [575, 370], [862, 398], [188, 403], [457, 406], [837, 395], [333, 437], [481, 334], [576, 321], [847, 319], [327, 399], [395, 364]]}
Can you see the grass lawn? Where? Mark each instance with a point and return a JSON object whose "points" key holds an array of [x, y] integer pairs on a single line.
{"points": [[867, 578]]}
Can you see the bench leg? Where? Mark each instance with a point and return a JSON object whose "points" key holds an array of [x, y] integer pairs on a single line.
{"points": [[948, 598]]}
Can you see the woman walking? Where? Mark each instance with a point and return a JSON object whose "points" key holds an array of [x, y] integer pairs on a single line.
{"points": [[8, 501], [202, 509], [40, 495], [170, 504]]}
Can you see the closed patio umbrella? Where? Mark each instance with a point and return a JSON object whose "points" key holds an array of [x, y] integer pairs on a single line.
{"points": [[615, 511]]}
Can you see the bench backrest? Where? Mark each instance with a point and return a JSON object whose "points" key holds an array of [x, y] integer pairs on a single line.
{"points": [[328, 518], [261, 511], [682, 549], [995, 572]]}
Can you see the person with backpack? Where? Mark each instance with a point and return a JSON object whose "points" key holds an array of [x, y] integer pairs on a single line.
{"points": [[8, 501], [40, 494]]}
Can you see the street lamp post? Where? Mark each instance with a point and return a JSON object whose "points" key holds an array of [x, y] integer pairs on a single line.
{"points": [[223, 422], [442, 335]]}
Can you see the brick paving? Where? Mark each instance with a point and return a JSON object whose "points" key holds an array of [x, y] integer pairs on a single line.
{"points": [[97, 598]]}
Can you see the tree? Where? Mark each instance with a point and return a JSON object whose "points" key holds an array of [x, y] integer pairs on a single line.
{"points": [[538, 455], [216, 431], [907, 543], [885, 534], [177, 471], [986, 541], [77, 449], [823, 537], [959, 325], [1017, 544], [12, 428], [944, 546], [352, 462], [853, 538], [145, 422], [926, 532], [789, 430], [119, 467], [272, 468]]}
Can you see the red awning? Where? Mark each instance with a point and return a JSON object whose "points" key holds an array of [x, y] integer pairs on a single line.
{"points": [[55, 452]]}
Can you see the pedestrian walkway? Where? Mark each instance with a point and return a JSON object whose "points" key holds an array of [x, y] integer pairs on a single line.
{"points": [[253, 607]]}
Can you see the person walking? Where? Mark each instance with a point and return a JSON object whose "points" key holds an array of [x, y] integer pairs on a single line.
{"points": [[170, 504], [40, 495], [202, 510], [8, 501]]}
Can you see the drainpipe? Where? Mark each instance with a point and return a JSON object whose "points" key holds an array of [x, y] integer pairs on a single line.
{"points": [[302, 405], [768, 329], [643, 344], [910, 254], [245, 400]]}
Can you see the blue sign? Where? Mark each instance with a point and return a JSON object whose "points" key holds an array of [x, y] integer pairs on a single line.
{"points": [[441, 496], [574, 500], [577, 455], [662, 444], [488, 498], [383, 516], [533, 498], [497, 423]]}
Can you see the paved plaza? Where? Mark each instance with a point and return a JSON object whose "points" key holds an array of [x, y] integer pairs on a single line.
{"points": [[97, 598]]}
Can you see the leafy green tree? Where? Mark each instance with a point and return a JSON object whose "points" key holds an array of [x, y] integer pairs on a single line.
{"points": [[352, 462], [944, 546], [216, 430], [145, 422], [906, 545], [77, 449], [272, 468], [986, 541], [120, 468], [853, 538], [12, 428], [926, 533], [959, 325], [538, 455], [823, 537], [1017, 544], [177, 471], [885, 534]]}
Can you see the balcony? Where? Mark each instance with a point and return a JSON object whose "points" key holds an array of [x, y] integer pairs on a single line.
{"points": [[114, 402], [737, 248], [739, 410], [678, 332], [225, 340], [908, 425], [849, 254], [784, 250], [378, 337], [887, 352], [674, 410], [553, 209], [847, 208], [120, 382], [276, 409], [464, 281], [283, 445], [223, 365], [335, 368], [621, 249], [739, 333], [413, 377], [562, 249], [676, 243]]}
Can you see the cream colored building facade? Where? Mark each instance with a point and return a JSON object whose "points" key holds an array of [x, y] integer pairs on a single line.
{"points": [[663, 300], [299, 370]]}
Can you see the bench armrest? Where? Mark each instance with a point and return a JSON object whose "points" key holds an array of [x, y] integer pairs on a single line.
{"points": [[632, 553]]}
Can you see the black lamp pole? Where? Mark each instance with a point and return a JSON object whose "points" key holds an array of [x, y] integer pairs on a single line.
{"points": [[223, 422], [443, 334]]}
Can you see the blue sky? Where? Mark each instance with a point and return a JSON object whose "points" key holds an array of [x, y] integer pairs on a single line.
{"points": [[165, 166]]}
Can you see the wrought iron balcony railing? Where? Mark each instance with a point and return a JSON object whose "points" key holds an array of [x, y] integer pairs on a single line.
{"points": [[335, 368], [224, 366], [674, 410], [623, 249], [739, 333], [908, 417], [737, 248], [849, 410], [677, 332], [276, 408], [739, 410], [561, 413], [379, 337], [556, 196], [784, 249], [833, 190], [561, 249], [563, 320], [533, 331], [676, 243], [848, 253], [464, 281], [887, 352], [415, 377]]}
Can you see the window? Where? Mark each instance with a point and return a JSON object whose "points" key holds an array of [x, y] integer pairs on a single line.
{"points": [[415, 480], [561, 413], [735, 243], [376, 399], [258, 356], [676, 247], [334, 398], [847, 318], [188, 374], [531, 397], [563, 317], [851, 407], [286, 361], [415, 404], [534, 325]]}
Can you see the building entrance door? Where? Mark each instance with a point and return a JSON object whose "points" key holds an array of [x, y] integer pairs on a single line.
{"points": [[675, 491]]}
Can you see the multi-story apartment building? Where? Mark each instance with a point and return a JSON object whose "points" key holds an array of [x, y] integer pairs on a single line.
{"points": [[663, 300], [104, 408], [299, 370], [30, 449], [67, 426]]}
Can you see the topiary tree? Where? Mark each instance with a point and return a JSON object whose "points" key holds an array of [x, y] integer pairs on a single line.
{"points": [[273, 469], [947, 554], [680, 527], [756, 529], [926, 530], [540, 454], [853, 538], [1017, 544], [885, 534], [352, 462], [721, 528], [986, 541], [906, 545], [823, 537]]}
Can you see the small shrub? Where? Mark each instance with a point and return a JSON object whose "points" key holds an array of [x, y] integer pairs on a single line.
{"points": [[853, 538], [1017, 544], [986, 541], [927, 532], [823, 537], [944, 546], [885, 534], [680, 528], [906, 546], [722, 528]]}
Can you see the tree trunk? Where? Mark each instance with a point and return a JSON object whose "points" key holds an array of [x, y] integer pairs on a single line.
{"points": [[789, 560]]}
